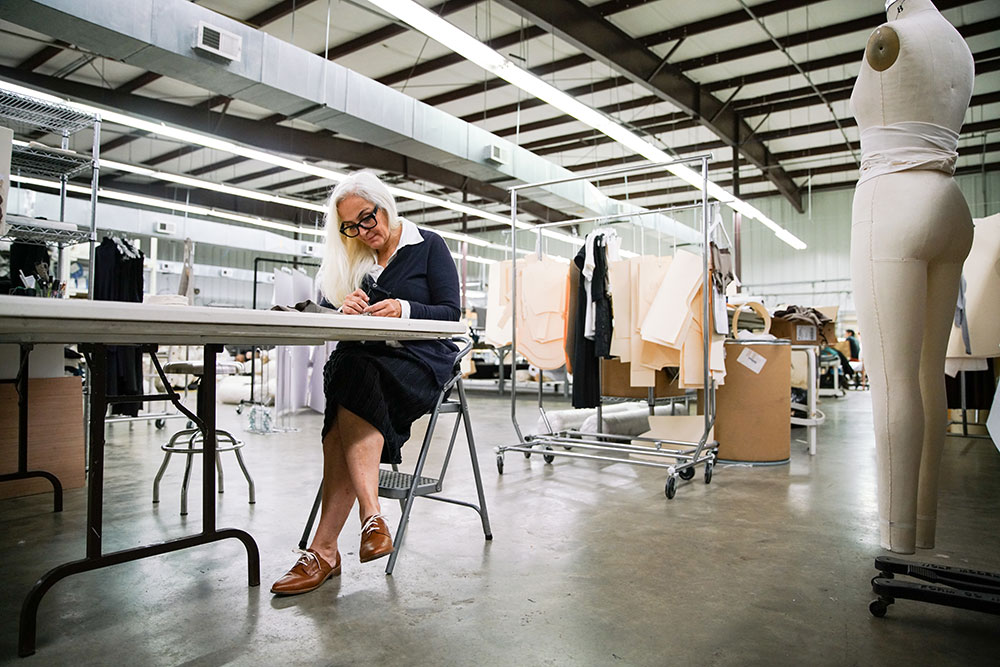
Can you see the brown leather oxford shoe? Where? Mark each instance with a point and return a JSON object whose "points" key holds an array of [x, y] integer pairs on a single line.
{"points": [[375, 539], [308, 574]]}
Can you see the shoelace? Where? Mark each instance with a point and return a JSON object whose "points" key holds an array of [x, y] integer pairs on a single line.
{"points": [[306, 556], [370, 523]]}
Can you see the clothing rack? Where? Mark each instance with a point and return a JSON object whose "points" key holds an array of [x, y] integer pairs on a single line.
{"points": [[679, 457]]}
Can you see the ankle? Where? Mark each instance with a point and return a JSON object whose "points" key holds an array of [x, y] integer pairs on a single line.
{"points": [[327, 551]]}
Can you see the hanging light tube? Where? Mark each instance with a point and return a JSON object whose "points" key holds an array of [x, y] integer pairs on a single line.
{"points": [[464, 44]]}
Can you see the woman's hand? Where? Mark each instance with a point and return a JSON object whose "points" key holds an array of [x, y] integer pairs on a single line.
{"points": [[385, 308], [355, 303]]}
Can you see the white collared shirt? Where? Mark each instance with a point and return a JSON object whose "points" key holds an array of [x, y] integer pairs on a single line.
{"points": [[409, 236]]}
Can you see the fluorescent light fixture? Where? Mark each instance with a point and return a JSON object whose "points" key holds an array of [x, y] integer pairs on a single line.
{"points": [[450, 36], [154, 202], [207, 141]]}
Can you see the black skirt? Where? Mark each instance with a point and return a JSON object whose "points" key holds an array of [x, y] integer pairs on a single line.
{"points": [[388, 387]]}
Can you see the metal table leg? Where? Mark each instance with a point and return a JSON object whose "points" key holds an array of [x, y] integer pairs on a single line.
{"points": [[95, 559]]}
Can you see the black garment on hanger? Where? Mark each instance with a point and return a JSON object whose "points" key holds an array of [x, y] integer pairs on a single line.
{"points": [[601, 294], [587, 353], [118, 277]]}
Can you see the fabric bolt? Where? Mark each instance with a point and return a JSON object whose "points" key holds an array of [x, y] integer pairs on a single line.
{"points": [[541, 312], [907, 145]]}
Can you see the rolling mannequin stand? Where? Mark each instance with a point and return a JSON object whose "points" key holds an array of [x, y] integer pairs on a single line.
{"points": [[948, 586]]}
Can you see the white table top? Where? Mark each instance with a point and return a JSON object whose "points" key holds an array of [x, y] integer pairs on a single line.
{"points": [[38, 320]]}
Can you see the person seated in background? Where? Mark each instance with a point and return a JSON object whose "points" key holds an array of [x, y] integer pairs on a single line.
{"points": [[852, 340], [376, 263]]}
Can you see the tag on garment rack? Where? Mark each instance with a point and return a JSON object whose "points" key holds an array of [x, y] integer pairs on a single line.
{"points": [[755, 362]]}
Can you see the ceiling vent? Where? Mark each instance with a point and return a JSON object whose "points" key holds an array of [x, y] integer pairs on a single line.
{"points": [[166, 227], [219, 42], [496, 154]]}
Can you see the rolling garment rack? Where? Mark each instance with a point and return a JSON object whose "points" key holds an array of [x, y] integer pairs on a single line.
{"points": [[680, 457]]}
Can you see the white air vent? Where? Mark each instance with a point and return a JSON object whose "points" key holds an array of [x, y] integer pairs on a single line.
{"points": [[219, 42], [166, 227], [496, 154]]}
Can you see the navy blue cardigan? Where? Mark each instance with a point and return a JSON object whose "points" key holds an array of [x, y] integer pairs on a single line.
{"points": [[424, 275]]}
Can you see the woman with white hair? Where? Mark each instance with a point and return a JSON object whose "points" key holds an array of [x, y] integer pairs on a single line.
{"points": [[379, 264]]}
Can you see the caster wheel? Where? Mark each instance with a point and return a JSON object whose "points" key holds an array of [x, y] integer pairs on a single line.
{"points": [[567, 448], [500, 464], [239, 410], [548, 458], [708, 472], [160, 423], [878, 608], [671, 489], [190, 424], [527, 455], [686, 474]]}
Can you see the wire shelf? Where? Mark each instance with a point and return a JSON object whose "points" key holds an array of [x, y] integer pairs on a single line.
{"points": [[34, 160], [43, 232], [30, 113]]}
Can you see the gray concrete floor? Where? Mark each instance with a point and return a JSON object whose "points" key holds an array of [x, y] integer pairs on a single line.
{"points": [[590, 565]]}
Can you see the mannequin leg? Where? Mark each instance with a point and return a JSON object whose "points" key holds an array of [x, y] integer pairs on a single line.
{"points": [[890, 295], [942, 294]]}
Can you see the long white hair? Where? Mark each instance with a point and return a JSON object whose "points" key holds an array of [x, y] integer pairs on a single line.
{"points": [[347, 260]]}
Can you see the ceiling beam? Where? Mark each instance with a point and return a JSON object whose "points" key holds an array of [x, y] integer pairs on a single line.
{"points": [[42, 56], [389, 31], [281, 139], [588, 31], [797, 39], [851, 57], [523, 34]]}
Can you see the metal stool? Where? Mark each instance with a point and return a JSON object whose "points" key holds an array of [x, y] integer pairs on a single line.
{"points": [[407, 486], [186, 441]]}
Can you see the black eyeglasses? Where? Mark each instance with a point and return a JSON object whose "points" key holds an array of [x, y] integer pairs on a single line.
{"points": [[351, 229]]}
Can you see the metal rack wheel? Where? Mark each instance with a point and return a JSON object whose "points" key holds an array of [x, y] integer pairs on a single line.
{"points": [[671, 489], [160, 423], [686, 474], [708, 471], [500, 464], [527, 455], [878, 608], [548, 458]]}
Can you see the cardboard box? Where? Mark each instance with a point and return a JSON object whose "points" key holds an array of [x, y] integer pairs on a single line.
{"points": [[55, 434], [754, 406], [615, 376], [804, 334]]}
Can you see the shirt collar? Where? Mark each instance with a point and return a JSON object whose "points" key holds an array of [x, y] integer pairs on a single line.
{"points": [[410, 236]]}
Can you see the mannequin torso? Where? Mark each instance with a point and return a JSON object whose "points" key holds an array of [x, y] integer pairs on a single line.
{"points": [[928, 80]]}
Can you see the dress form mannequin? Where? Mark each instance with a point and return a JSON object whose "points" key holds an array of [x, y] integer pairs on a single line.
{"points": [[911, 231]]}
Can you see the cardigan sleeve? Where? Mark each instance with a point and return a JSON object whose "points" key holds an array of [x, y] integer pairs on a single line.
{"points": [[442, 282]]}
